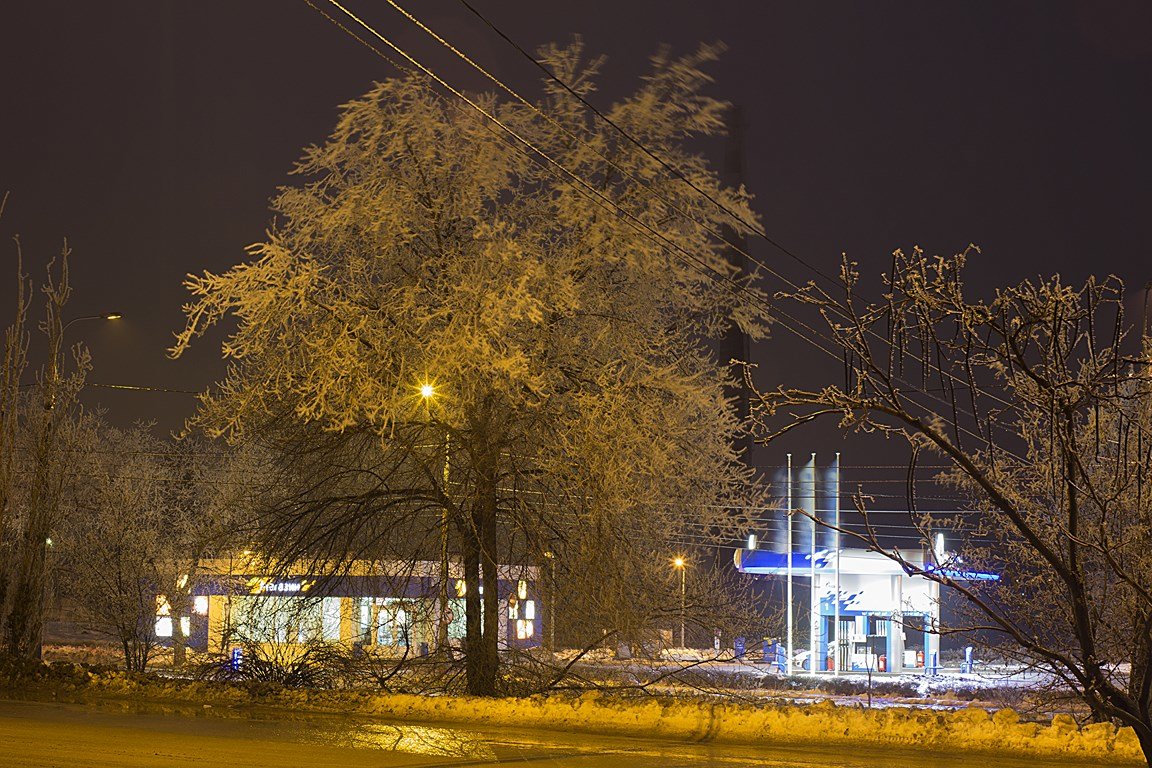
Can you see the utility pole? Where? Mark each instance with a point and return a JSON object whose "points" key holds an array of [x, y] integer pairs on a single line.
{"points": [[788, 659], [427, 392], [442, 625], [1144, 315]]}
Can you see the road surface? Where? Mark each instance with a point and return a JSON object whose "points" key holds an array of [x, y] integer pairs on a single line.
{"points": [[71, 736]]}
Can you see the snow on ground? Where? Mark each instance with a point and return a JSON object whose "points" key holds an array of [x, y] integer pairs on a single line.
{"points": [[821, 723]]}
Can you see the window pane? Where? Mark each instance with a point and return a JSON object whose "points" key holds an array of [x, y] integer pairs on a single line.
{"points": [[331, 618]]}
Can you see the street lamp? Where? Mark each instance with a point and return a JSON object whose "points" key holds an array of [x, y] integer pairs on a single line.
{"points": [[104, 316], [427, 393], [678, 563], [56, 341], [39, 514], [550, 608]]}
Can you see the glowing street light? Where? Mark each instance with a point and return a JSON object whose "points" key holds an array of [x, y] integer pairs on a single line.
{"points": [[678, 563], [37, 523], [56, 342], [427, 393]]}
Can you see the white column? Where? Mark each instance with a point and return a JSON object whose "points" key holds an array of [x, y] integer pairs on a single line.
{"points": [[813, 599], [788, 518], [896, 663], [932, 639], [836, 540]]}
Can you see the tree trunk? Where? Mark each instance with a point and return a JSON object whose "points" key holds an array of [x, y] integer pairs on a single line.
{"points": [[179, 605], [1144, 736], [470, 552], [483, 613], [26, 621], [486, 523], [179, 642]]}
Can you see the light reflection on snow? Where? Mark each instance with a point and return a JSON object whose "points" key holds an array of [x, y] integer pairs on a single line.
{"points": [[393, 737], [420, 740]]}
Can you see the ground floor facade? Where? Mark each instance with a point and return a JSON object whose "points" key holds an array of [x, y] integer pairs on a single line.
{"points": [[392, 608], [865, 613]]}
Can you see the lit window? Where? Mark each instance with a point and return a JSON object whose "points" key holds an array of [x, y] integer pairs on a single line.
{"points": [[182, 581], [330, 618], [524, 629], [185, 625], [200, 605], [514, 610], [365, 632], [162, 607], [529, 609], [457, 625], [522, 589], [164, 626], [461, 588]]}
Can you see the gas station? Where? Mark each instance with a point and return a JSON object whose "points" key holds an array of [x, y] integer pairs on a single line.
{"points": [[866, 612]]}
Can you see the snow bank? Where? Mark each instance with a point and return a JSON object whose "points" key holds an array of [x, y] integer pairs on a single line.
{"points": [[823, 724]]}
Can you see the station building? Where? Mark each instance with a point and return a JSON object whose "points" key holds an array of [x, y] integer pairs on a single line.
{"points": [[865, 612], [389, 607]]}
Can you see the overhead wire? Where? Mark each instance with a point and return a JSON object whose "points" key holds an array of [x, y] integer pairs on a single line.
{"points": [[536, 155], [772, 311], [642, 227], [603, 201], [751, 226]]}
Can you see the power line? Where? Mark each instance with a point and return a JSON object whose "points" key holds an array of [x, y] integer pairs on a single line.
{"points": [[136, 388], [751, 226], [583, 187], [771, 310]]}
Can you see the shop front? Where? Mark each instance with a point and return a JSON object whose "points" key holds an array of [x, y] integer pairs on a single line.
{"points": [[390, 608]]}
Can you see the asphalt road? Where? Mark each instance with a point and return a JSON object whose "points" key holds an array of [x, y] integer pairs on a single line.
{"points": [[71, 736]]}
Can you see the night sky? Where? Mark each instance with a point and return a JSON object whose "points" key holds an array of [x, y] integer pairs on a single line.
{"points": [[152, 135]]}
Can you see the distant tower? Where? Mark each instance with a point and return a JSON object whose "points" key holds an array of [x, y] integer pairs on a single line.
{"points": [[1144, 330], [735, 345]]}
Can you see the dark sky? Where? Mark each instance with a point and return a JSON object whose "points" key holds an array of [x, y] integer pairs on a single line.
{"points": [[151, 135]]}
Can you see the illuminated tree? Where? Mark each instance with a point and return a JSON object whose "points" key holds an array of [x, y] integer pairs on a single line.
{"points": [[562, 338], [1047, 429], [31, 470], [139, 516]]}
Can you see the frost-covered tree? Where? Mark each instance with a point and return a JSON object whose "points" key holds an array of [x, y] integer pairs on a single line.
{"points": [[115, 558], [559, 340], [1046, 428], [138, 517], [31, 447]]}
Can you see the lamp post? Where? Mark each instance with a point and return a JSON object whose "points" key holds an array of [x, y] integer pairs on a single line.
{"points": [[29, 621], [427, 393], [56, 340], [550, 608], [678, 563]]}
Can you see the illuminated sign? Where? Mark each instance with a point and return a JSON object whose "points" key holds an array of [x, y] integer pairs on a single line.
{"points": [[279, 587]]}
